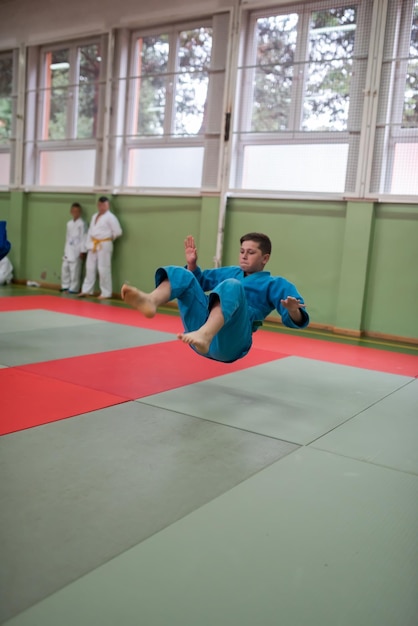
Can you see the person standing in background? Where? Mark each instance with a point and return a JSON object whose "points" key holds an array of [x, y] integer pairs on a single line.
{"points": [[73, 251], [104, 229]]}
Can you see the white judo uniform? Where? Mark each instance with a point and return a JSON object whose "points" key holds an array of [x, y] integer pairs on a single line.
{"points": [[6, 271], [71, 261], [103, 230]]}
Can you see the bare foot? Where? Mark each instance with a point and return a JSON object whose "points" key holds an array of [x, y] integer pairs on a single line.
{"points": [[138, 300], [198, 339]]}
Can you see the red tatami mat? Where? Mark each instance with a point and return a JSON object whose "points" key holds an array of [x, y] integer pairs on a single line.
{"points": [[343, 354], [29, 400], [288, 344], [138, 372]]}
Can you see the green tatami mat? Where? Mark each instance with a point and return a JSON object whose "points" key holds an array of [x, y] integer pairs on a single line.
{"points": [[78, 492], [293, 399], [313, 540], [19, 348], [36, 319], [386, 433]]}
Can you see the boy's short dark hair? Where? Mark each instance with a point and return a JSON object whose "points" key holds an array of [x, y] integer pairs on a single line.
{"points": [[103, 199], [263, 241], [77, 205]]}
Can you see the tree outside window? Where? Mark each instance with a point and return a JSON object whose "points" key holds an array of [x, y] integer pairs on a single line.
{"points": [[301, 84], [171, 80], [71, 92], [6, 103], [410, 108]]}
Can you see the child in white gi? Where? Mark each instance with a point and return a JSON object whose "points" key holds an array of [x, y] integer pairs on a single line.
{"points": [[104, 229], [74, 251]]}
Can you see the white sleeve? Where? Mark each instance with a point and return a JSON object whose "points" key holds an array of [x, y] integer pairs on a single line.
{"points": [[115, 227], [86, 237], [67, 231]]}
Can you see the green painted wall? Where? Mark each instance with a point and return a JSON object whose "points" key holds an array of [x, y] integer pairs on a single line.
{"points": [[391, 302], [154, 232], [356, 263], [307, 239], [4, 205]]}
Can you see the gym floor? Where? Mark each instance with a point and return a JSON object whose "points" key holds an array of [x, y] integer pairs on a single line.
{"points": [[143, 485]]}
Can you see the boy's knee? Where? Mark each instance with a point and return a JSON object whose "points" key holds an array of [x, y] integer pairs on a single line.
{"points": [[232, 285]]}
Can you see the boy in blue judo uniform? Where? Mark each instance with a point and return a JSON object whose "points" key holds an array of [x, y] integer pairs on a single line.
{"points": [[220, 325]]}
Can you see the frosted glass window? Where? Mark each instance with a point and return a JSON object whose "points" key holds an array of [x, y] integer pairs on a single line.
{"points": [[405, 168], [67, 168], [310, 168], [4, 168], [166, 167]]}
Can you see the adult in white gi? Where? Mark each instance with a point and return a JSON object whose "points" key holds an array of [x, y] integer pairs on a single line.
{"points": [[104, 229], [74, 251]]}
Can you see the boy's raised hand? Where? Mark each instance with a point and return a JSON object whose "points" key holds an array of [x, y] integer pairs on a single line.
{"points": [[190, 252]]}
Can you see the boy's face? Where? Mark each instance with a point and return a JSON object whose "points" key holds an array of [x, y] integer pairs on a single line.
{"points": [[251, 259], [75, 212]]}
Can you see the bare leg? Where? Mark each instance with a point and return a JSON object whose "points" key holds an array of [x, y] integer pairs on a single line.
{"points": [[147, 303], [202, 338]]}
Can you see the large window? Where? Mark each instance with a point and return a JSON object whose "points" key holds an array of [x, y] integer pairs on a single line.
{"points": [[7, 107], [69, 97], [298, 119], [315, 98], [396, 151], [175, 106]]}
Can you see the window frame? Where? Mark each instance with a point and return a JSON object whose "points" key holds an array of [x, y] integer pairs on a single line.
{"points": [[168, 137], [72, 112], [35, 144], [396, 56], [210, 139], [243, 137], [8, 147]]}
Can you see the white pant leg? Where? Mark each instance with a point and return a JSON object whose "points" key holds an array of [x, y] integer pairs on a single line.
{"points": [[90, 278], [65, 274], [104, 259], [75, 271]]}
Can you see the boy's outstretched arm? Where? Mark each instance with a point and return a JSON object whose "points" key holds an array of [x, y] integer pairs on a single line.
{"points": [[294, 308]]}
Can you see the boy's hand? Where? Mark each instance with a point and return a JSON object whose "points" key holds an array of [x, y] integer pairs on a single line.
{"points": [[294, 306], [190, 252]]}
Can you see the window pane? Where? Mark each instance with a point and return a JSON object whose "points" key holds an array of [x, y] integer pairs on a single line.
{"points": [[273, 74], [4, 168], [331, 47], [304, 167], [194, 53], [405, 168], [56, 94], [151, 85], [67, 168], [166, 167], [6, 106], [410, 110], [88, 91]]}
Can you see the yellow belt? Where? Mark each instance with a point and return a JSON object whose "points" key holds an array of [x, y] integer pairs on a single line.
{"points": [[97, 242]]}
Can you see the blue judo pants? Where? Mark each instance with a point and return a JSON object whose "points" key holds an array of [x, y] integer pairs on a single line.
{"points": [[235, 338]]}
